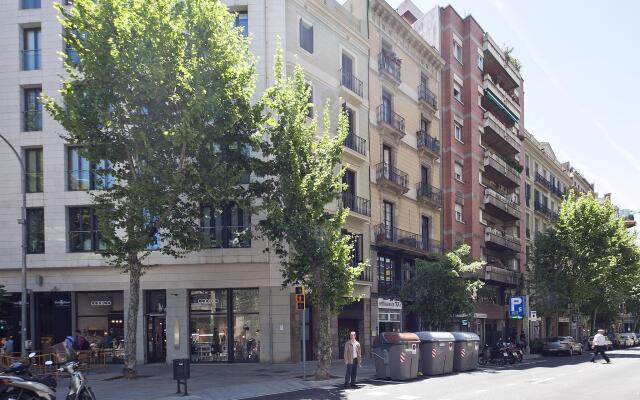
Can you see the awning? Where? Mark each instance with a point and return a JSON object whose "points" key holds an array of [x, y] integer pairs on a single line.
{"points": [[501, 105]]}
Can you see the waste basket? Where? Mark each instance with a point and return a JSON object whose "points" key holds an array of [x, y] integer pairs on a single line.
{"points": [[436, 353], [396, 355], [466, 351], [181, 369]]}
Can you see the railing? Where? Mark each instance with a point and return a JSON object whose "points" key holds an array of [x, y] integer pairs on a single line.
{"points": [[366, 274], [557, 191], [389, 117], [538, 206], [28, 4], [389, 64], [30, 59], [226, 237], [489, 156], [501, 130], [32, 120], [508, 205], [541, 179], [502, 238], [428, 142], [352, 83], [356, 204], [394, 175], [356, 143], [401, 237], [427, 191], [34, 182], [426, 95]]}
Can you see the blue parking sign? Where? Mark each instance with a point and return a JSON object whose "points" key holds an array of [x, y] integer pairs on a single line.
{"points": [[516, 307]]}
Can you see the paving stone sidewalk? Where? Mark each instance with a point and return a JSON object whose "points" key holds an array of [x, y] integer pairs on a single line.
{"points": [[212, 381]]}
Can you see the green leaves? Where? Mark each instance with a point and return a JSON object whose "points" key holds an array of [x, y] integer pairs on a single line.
{"points": [[443, 288]]}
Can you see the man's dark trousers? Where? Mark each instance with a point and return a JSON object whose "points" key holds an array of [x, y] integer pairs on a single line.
{"points": [[352, 372], [600, 349]]}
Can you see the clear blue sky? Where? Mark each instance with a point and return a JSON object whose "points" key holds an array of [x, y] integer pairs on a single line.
{"points": [[580, 61]]}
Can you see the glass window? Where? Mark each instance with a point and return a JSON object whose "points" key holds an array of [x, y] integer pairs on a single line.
{"points": [[457, 132], [32, 118], [28, 4], [242, 21], [209, 325], [33, 166], [459, 213], [386, 273], [457, 51], [228, 227], [83, 230], [100, 318], [480, 62], [35, 230], [457, 171], [83, 175], [31, 49], [246, 325], [306, 36]]}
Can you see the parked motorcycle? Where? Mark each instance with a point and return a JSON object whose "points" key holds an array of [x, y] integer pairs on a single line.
{"points": [[17, 383], [515, 352], [491, 355]]}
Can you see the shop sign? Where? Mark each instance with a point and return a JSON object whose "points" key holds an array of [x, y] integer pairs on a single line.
{"points": [[62, 303], [390, 304], [207, 301], [100, 303], [564, 319], [480, 315]]}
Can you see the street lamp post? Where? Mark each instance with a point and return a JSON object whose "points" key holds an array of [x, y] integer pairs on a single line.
{"points": [[23, 222]]}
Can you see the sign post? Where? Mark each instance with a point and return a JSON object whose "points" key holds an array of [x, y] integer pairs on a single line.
{"points": [[300, 303]]}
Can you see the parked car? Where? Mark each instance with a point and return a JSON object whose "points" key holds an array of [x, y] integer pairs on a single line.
{"points": [[634, 337], [637, 338], [628, 339], [561, 344], [607, 343]]}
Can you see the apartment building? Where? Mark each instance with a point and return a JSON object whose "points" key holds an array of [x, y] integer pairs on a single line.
{"points": [[223, 304], [482, 126], [404, 129]]}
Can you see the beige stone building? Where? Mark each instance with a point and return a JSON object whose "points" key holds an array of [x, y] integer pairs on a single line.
{"points": [[404, 130]]}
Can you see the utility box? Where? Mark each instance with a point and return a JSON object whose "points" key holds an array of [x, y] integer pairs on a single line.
{"points": [[436, 353], [466, 351]]}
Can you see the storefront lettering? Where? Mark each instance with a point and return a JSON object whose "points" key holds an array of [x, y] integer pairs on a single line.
{"points": [[62, 303], [390, 304], [100, 303], [207, 301]]}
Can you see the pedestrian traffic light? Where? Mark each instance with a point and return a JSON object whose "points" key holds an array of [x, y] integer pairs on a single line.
{"points": [[300, 298]]}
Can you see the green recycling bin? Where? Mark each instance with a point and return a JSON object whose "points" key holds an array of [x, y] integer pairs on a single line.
{"points": [[466, 351], [396, 355], [436, 353]]}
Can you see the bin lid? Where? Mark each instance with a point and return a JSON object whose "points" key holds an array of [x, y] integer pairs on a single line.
{"points": [[465, 336], [395, 338], [435, 337]]}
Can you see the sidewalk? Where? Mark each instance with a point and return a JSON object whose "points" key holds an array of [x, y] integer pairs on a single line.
{"points": [[213, 381]]}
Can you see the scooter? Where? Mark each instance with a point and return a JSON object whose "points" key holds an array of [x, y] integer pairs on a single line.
{"points": [[491, 355], [24, 386]]}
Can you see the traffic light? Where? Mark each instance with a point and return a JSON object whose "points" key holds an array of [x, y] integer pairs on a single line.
{"points": [[300, 298]]}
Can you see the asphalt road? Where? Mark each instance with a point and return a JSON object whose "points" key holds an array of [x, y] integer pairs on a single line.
{"points": [[555, 377]]}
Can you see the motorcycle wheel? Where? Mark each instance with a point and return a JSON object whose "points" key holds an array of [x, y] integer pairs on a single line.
{"points": [[87, 394], [519, 358], [512, 360], [501, 361]]}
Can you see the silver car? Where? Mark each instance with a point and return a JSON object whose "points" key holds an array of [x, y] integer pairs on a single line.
{"points": [[561, 344]]}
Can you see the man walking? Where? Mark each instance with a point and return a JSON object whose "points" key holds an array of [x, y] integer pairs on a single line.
{"points": [[599, 346], [353, 358]]}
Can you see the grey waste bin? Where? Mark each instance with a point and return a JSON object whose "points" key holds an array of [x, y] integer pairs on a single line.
{"points": [[466, 350], [436, 353], [396, 355]]}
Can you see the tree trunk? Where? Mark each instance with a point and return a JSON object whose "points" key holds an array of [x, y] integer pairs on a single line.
{"points": [[593, 321], [324, 345], [129, 370]]}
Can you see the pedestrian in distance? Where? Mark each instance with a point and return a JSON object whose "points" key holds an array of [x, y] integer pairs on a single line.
{"points": [[353, 359], [8, 345], [600, 346]]}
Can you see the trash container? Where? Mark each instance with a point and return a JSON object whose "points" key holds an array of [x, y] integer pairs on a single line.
{"points": [[396, 355], [436, 353], [181, 369], [466, 351]]}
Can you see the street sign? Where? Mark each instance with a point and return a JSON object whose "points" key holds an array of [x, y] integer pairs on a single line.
{"points": [[465, 322], [534, 315], [516, 307]]}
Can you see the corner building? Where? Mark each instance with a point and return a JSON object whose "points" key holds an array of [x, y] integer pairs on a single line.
{"points": [[482, 127], [404, 125]]}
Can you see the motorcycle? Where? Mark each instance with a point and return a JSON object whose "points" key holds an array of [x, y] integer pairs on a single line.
{"points": [[17, 383], [515, 353], [498, 356]]}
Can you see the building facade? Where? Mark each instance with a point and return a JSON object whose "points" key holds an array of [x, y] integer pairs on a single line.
{"points": [[404, 128]]}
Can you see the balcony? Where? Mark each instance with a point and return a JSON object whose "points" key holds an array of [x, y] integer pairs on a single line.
{"points": [[392, 178], [350, 82], [357, 147], [493, 273], [31, 60], [390, 122], [427, 97], [412, 243], [389, 67], [499, 136], [499, 170], [499, 206], [356, 204], [428, 145], [542, 181], [429, 195], [226, 237], [366, 275], [499, 102], [500, 240], [544, 210], [495, 62], [556, 191]]}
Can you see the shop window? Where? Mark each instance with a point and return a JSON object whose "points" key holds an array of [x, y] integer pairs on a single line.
{"points": [[100, 318], [246, 325]]}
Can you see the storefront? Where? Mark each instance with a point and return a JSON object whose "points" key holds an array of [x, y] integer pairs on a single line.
{"points": [[351, 319], [155, 306], [10, 318], [52, 318], [100, 318], [225, 325], [389, 315]]}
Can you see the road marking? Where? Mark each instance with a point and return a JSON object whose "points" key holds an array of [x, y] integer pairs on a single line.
{"points": [[513, 384], [407, 397], [376, 393], [385, 381], [327, 387], [538, 381], [480, 391]]}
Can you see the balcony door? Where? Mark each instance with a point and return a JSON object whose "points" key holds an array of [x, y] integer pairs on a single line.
{"points": [[347, 71], [424, 125], [349, 178], [388, 219], [350, 118], [387, 107], [425, 231], [387, 160], [425, 176]]}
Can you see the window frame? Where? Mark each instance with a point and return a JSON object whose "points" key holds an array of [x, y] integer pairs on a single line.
{"points": [[305, 28], [459, 213], [457, 88], [40, 238], [458, 177], [38, 172], [457, 132], [457, 48], [93, 230]]}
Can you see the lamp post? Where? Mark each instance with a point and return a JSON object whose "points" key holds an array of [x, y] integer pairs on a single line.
{"points": [[23, 222]]}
